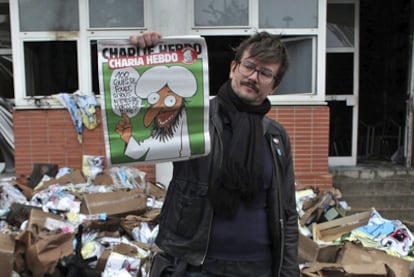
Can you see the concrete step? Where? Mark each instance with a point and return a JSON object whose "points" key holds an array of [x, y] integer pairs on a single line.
{"points": [[387, 187], [394, 201], [367, 174]]}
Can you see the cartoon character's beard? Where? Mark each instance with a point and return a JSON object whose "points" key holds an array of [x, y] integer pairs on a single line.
{"points": [[165, 133]]}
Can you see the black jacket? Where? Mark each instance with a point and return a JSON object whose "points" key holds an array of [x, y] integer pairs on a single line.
{"points": [[186, 216]]}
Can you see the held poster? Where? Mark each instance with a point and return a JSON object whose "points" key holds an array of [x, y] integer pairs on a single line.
{"points": [[155, 100]]}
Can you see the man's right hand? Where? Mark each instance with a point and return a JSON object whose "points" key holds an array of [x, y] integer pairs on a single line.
{"points": [[146, 39]]}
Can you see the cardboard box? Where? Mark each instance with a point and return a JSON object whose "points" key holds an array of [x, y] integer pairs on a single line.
{"points": [[115, 203], [157, 190], [310, 251], [353, 253], [334, 229], [6, 254], [37, 221], [39, 218], [340, 270], [74, 177], [354, 260], [122, 248], [103, 179]]}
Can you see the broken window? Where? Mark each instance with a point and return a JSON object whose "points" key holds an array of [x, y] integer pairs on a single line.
{"points": [[55, 38], [6, 63], [51, 67]]}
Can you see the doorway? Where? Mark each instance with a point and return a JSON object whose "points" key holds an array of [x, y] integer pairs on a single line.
{"points": [[368, 124], [342, 71]]}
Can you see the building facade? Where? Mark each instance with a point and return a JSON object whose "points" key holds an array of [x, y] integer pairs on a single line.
{"points": [[54, 51]]}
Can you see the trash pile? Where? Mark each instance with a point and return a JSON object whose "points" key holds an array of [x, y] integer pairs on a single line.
{"points": [[96, 222], [66, 222], [333, 243]]}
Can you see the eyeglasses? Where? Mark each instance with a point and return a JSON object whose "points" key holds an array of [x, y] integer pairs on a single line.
{"points": [[247, 68]]}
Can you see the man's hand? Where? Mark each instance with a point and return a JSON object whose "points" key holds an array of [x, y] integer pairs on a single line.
{"points": [[124, 128], [146, 39]]}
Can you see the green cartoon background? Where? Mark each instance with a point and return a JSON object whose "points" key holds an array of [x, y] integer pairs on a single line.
{"points": [[195, 116]]}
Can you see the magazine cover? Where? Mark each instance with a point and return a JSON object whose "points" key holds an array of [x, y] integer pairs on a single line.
{"points": [[155, 100]]}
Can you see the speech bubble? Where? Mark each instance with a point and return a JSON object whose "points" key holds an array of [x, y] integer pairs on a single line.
{"points": [[123, 97]]}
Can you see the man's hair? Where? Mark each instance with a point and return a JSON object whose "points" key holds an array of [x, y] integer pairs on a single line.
{"points": [[266, 48]]}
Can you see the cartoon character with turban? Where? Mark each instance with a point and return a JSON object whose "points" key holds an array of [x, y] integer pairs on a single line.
{"points": [[165, 89]]}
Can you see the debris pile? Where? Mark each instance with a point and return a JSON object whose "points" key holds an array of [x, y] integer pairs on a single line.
{"points": [[96, 222], [333, 241], [62, 222]]}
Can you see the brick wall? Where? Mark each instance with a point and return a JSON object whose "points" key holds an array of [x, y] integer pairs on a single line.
{"points": [[308, 129], [48, 136]]}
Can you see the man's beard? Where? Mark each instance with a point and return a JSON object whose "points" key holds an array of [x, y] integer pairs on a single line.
{"points": [[164, 134]]}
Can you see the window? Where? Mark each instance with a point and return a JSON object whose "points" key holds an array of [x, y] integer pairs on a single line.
{"points": [[5, 38], [94, 67], [119, 14], [48, 15], [56, 48], [51, 67], [339, 73], [342, 80], [225, 23], [220, 55], [300, 76], [298, 79], [6, 76], [221, 12], [58, 53], [6, 64], [340, 25], [288, 13]]}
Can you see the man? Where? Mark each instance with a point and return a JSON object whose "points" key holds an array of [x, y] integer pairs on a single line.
{"points": [[233, 212]]}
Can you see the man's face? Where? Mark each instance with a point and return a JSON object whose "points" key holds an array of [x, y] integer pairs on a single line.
{"points": [[252, 89]]}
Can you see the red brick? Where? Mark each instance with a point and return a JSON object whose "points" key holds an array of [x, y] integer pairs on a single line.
{"points": [[50, 136]]}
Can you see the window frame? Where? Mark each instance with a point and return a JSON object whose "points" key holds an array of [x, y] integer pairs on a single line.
{"points": [[83, 38], [170, 25], [315, 97], [6, 52]]}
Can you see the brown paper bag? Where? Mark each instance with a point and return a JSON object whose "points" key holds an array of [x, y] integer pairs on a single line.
{"points": [[43, 256]]}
